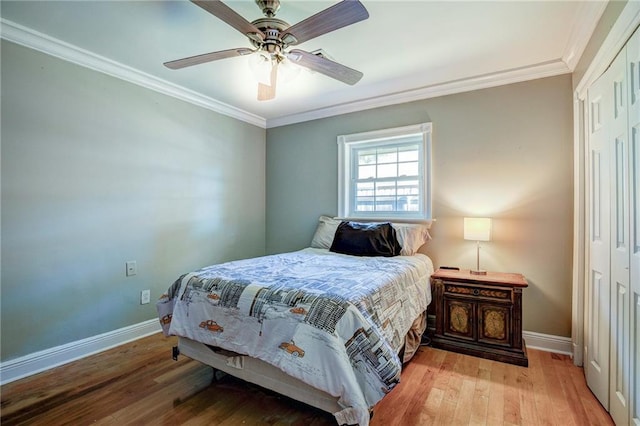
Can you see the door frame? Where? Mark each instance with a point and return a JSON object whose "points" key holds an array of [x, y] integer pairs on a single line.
{"points": [[624, 27]]}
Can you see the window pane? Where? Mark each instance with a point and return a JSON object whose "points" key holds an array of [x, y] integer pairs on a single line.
{"points": [[366, 172], [385, 188], [367, 156], [408, 203], [385, 204], [364, 204], [408, 153], [365, 189], [387, 155], [408, 169], [408, 187], [387, 170]]}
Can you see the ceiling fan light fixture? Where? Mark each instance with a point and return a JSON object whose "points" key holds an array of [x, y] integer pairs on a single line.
{"points": [[260, 64], [288, 71]]}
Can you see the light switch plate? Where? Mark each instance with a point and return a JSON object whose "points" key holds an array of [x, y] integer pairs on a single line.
{"points": [[132, 268]]}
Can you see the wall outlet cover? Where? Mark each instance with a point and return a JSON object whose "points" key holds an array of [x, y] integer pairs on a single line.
{"points": [[145, 297]]}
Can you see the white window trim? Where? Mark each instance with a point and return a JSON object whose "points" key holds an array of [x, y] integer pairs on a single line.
{"points": [[345, 144]]}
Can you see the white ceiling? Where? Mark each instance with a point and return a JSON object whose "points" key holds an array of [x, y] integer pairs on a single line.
{"points": [[406, 49]]}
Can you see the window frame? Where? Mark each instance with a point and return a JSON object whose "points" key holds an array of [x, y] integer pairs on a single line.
{"points": [[373, 139]]}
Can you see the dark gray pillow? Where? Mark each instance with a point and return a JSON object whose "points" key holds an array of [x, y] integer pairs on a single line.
{"points": [[366, 239]]}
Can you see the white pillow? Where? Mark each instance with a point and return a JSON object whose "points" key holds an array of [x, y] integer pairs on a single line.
{"points": [[411, 236], [326, 230]]}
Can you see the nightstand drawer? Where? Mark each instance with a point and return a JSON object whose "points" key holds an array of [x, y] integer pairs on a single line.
{"points": [[455, 289]]}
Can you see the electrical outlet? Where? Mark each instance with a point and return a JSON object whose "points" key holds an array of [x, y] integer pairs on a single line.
{"points": [[145, 297], [132, 268]]}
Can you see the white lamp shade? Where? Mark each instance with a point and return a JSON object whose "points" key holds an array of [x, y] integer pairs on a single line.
{"points": [[477, 228]]}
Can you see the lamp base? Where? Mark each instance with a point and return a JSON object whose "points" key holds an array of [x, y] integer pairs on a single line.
{"points": [[478, 272]]}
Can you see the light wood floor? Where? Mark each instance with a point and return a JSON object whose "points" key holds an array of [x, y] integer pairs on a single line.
{"points": [[138, 383]]}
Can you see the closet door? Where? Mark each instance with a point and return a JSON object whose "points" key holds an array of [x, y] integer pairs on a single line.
{"points": [[598, 289], [633, 68], [619, 243]]}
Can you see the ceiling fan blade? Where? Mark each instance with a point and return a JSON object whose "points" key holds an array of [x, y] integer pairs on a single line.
{"points": [[231, 17], [325, 66], [339, 15], [268, 92], [206, 57]]}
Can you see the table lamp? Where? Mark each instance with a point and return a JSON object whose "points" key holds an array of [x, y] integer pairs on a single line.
{"points": [[477, 229]]}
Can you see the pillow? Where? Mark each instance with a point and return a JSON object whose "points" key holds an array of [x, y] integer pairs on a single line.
{"points": [[411, 236], [366, 239], [324, 232]]}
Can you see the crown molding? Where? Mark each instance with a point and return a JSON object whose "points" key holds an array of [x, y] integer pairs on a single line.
{"points": [[516, 75], [585, 23], [30, 38]]}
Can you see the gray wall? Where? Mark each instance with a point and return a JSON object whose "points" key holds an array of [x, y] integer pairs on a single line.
{"points": [[503, 152], [97, 171]]}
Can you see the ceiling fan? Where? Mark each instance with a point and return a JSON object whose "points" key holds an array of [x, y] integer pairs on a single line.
{"points": [[271, 37]]}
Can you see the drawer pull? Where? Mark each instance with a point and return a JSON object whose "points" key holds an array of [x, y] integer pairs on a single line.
{"points": [[476, 292]]}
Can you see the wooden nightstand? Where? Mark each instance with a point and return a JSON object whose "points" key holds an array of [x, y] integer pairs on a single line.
{"points": [[480, 315]]}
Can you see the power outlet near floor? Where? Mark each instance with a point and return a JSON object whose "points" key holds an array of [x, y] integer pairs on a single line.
{"points": [[145, 297]]}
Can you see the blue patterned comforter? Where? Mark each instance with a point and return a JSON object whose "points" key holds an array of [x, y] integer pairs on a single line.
{"points": [[333, 321]]}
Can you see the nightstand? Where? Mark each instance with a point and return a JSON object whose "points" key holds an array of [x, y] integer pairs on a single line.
{"points": [[480, 315]]}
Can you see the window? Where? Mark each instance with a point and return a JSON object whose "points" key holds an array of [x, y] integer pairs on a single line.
{"points": [[386, 174]]}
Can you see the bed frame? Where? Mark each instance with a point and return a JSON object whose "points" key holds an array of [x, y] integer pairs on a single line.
{"points": [[257, 372]]}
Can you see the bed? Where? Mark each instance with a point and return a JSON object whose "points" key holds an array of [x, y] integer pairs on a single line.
{"points": [[328, 328]]}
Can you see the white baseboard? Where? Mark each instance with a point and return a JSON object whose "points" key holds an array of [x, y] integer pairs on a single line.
{"points": [[44, 360], [548, 342]]}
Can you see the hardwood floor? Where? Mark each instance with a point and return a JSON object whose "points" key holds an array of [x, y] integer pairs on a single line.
{"points": [[138, 383]]}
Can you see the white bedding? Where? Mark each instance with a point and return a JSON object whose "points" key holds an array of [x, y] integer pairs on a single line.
{"points": [[333, 321]]}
